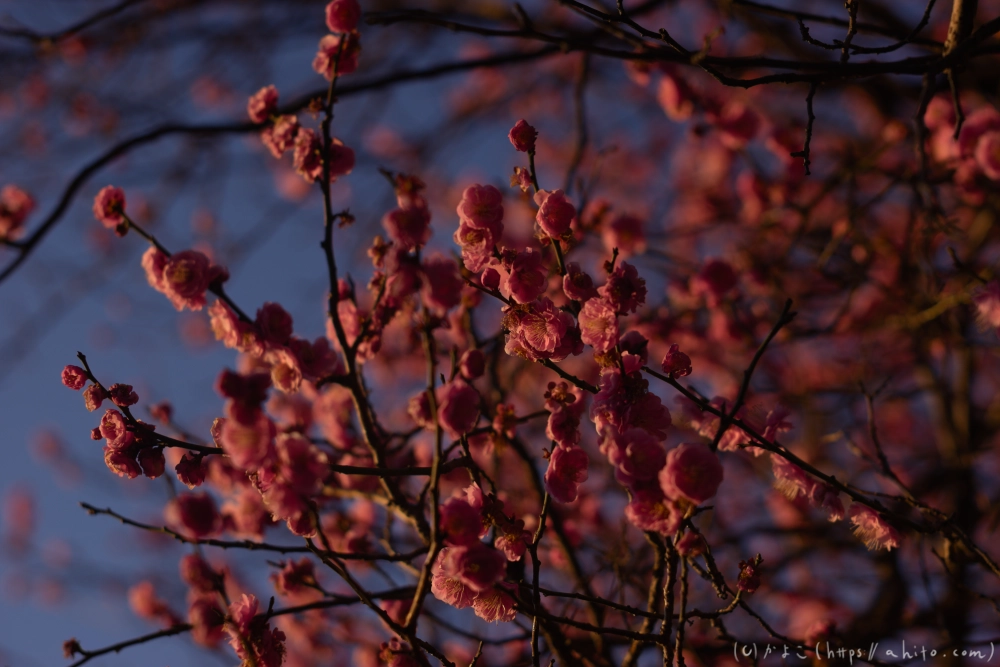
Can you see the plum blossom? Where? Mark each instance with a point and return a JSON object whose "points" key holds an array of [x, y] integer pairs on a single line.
{"points": [[650, 510], [577, 285], [308, 157], [15, 206], [343, 15], [693, 472], [539, 330], [327, 61], [281, 135], [262, 104], [873, 529], [74, 377], [496, 605], [675, 363], [599, 325], [183, 277], [526, 279], [523, 136], [458, 407], [625, 290], [555, 212], [566, 472], [109, 206]]}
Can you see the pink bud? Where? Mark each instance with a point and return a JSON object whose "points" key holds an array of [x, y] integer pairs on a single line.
{"points": [[676, 363], [343, 15], [122, 395], [109, 206], [473, 364], [693, 471], [263, 104], [74, 377], [523, 136]]}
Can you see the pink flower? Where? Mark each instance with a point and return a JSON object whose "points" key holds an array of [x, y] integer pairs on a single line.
{"points": [[523, 136], [482, 207], [308, 157], [477, 245], [343, 15], [442, 285], [566, 472], [193, 515], [109, 206], [326, 60], [184, 277], [281, 135], [191, 470], [248, 445], [478, 566], [122, 395], [676, 363], [793, 482], [446, 585], [93, 396], [152, 461], [263, 104], [988, 154], [408, 227], [461, 522], [301, 464], [74, 377], [15, 206], [555, 212], [650, 510], [526, 280], [490, 278], [122, 462], [113, 429], [642, 459], [599, 325], [458, 407], [242, 613], [625, 290], [539, 330], [693, 472], [577, 285], [625, 233], [496, 604], [472, 364], [274, 324], [872, 528]]}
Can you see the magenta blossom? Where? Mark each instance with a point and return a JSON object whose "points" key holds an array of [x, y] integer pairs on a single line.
{"points": [[458, 407], [693, 472], [523, 136], [625, 290], [343, 15], [599, 325], [263, 104], [873, 529], [566, 472], [332, 58], [194, 515], [555, 212], [676, 363], [109, 206], [74, 377]]}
